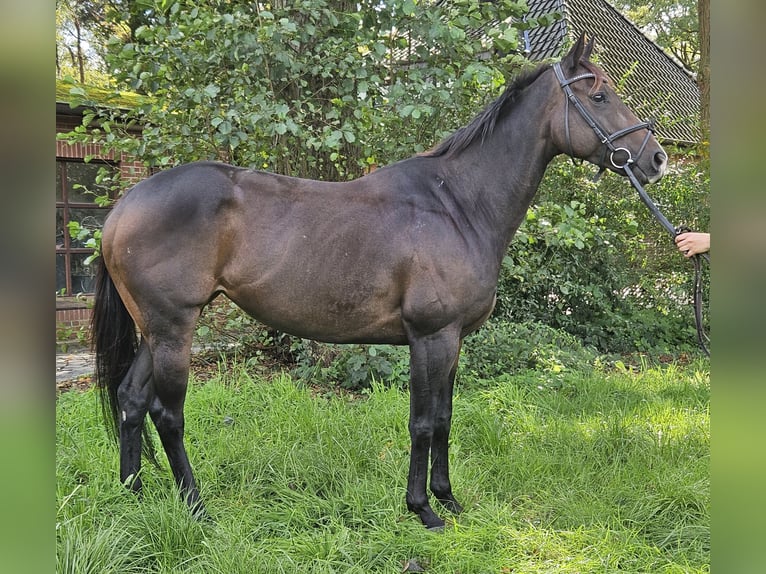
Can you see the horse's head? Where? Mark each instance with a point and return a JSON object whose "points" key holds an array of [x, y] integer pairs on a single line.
{"points": [[591, 122]]}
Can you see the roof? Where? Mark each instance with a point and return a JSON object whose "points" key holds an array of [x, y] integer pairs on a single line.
{"points": [[658, 85], [68, 90]]}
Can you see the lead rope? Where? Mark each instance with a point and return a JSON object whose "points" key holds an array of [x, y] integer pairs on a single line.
{"points": [[702, 337], [608, 142]]}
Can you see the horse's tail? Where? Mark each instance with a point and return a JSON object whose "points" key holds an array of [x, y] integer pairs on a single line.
{"points": [[115, 343]]}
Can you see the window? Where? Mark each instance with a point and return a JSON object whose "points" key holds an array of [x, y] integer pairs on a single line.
{"points": [[75, 203]]}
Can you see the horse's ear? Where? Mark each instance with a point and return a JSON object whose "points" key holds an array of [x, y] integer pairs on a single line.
{"points": [[572, 59], [588, 49]]}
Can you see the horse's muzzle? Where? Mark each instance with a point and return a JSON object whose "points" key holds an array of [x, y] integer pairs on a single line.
{"points": [[659, 166]]}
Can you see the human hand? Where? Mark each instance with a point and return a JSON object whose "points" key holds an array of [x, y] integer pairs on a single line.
{"points": [[692, 243]]}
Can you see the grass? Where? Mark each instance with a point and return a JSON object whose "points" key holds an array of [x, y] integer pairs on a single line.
{"points": [[597, 471]]}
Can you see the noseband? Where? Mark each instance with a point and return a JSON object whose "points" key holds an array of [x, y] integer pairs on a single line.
{"points": [[607, 140]]}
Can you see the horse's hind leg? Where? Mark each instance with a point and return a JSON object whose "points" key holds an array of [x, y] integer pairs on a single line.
{"points": [[171, 353], [133, 397]]}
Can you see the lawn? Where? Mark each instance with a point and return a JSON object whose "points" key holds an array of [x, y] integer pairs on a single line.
{"points": [[591, 470]]}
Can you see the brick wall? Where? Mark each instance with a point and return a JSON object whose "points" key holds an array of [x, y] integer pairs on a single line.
{"points": [[72, 317], [131, 171]]}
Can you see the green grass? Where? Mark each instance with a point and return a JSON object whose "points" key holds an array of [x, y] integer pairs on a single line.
{"points": [[578, 472]]}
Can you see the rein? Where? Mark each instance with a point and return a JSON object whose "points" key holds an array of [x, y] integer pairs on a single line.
{"points": [[609, 146]]}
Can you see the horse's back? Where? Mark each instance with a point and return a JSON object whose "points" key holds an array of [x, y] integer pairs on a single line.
{"points": [[189, 184]]}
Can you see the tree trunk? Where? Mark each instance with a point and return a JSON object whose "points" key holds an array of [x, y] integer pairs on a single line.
{"points": [[703, 73], [80, 57]]}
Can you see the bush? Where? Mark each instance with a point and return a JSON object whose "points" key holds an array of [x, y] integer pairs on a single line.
{"points": [[227, 329], [353, 367], [504, 348], [590, 259], [499, 347]]}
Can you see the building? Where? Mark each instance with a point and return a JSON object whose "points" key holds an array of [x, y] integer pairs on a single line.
{"points": [[74, 202]]}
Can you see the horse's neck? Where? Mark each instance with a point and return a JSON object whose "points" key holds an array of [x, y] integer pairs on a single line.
{"points": [[498, 179]]}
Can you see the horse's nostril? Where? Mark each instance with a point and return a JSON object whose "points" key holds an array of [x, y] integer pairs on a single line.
{"points": [[660, 159]]}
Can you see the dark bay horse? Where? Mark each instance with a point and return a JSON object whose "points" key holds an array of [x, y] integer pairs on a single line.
{"points": [[407, 255]]}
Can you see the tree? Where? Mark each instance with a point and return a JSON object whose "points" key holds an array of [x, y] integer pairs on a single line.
{"points": [[672, 24], [74, 54], [703, 76], [314, 88], [83, 31], [682, 27]]}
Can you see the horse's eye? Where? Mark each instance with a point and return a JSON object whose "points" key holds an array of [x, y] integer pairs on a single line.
{"points": [[598, 97]]}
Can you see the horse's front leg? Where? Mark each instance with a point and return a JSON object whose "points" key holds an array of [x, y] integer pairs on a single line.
{"points": [[432, 358], [440, 482]]}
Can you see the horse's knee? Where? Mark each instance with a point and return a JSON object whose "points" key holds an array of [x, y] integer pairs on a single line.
{"points": [[421, 429]]}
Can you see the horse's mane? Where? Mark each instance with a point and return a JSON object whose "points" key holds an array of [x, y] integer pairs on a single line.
{"points": [[483, 124]]}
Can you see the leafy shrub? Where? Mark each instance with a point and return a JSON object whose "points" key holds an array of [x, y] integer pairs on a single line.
{"points": [[226, 328], [590, 259], [352, 366], [503, 348], [499, 347], [69, 336], [304, 88]]}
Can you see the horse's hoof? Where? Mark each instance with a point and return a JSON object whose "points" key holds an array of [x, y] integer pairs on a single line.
{"points": [[451, 505], [431, 521], [200, 514]]}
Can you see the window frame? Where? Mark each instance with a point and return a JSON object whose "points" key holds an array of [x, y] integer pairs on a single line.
{"points": [[66, 249]]}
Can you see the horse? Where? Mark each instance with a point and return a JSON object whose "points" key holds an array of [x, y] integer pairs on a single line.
{"points": [[408, 254]]}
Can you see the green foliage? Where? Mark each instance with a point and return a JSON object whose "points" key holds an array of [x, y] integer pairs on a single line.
{"points": [[500, 348], [591, 260], [224, 327], [327, 89], [71, 336], [671, 23], [89, 236], [313, 88], [353, 367]]}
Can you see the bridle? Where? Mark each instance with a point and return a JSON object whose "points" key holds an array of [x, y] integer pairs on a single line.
{"points": [[609, 147], [606, 139]]}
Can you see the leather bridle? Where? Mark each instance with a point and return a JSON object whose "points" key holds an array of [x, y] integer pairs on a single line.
{"points": [[606, 139], [609, 146]]}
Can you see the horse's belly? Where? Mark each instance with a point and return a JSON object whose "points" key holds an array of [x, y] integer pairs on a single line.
{"points": [[340, 319]]}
